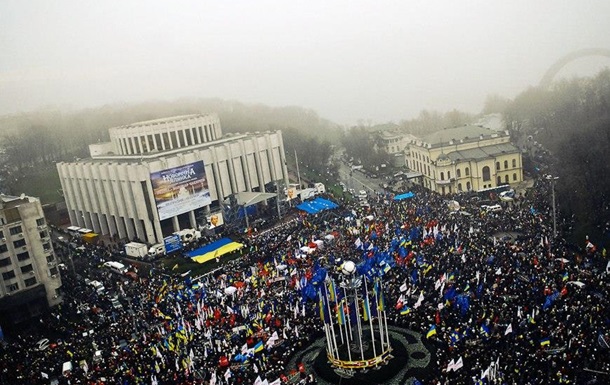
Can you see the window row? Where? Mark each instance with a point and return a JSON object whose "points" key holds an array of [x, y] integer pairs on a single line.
{"points": [[514, 164], [168, 140]]}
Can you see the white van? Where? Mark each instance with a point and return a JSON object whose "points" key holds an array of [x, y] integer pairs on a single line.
{"points": [[157, 250], [116, 267]]}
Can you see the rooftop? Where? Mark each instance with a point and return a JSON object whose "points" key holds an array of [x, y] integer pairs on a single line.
{"points": [[484, 152], [163, 120], [8, 201], [459, 133]]}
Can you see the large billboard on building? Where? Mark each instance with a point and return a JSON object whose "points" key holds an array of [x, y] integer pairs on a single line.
{"points": [[180, 189]]}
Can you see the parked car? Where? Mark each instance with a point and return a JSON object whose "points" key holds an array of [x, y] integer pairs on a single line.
{"points": [[507, 195], [492, 208]]}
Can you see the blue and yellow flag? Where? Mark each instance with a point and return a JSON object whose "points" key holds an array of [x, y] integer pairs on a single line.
{"points": [[431, 331], [340, 314], [545, 342], [485, 330], [259, 347], [405, 310], [331, 291], [367, 310], [379, 294]]}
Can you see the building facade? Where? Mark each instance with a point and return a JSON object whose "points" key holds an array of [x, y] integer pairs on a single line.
{"points": [[394, 144], [467, 158], [31, 280], [159, 176]]}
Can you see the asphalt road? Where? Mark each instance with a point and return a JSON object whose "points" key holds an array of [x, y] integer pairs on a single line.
{"points": [[358, 181]]}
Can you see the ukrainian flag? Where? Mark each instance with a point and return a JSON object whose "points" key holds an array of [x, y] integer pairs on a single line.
{"points": [[321, 305], [340, 314], [331, 291], [214, 250], [485, 330], [565, 276], [431, 331], [367, 310], [381, 303], [405, 310], [259, 347], [545, 342]]}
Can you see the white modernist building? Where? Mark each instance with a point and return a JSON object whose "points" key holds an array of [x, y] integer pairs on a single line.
{"points": [[158, 176]]}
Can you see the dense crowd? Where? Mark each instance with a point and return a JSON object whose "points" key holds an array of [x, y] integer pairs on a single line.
{"points": [[508, 301]]}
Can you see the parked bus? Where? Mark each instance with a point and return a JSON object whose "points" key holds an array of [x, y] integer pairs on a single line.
{"points": [[492, 193]]}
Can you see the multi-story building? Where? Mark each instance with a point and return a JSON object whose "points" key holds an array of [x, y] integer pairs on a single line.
{"points": [[30, 277], [466, 158], [159, 176], [394, 144]]}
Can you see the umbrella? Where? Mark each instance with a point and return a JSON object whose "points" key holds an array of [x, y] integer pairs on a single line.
{"points": [[577, 283], [230, 290], [562, 260], [453, 205]]}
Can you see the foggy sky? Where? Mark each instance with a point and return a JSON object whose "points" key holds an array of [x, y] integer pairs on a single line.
{"points": [[348, 60]]}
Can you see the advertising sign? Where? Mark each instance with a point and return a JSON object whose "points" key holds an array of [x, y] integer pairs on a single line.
{"points": [[172, 243], [180, 189], [215, 220], [292, 193]]}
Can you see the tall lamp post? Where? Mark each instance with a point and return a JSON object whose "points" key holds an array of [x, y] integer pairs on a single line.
{"points": [[553, 179]]}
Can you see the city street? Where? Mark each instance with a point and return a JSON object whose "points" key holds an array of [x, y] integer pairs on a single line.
{"points": [[357, 180]]}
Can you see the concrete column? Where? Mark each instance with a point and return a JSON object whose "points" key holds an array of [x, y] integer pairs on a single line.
{"points": [[192, 219]]}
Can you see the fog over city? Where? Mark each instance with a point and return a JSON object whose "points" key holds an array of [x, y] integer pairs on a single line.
{"points": [[347, 60]]}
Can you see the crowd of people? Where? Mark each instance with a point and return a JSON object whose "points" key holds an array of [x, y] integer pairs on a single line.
{"points": [[497, 297]]}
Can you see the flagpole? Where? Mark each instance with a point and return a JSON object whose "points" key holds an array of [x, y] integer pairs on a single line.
{"points": [[366, 290], [385, 317], [326, 332], [358, 323], [349, 320], [348, 323], [337, 304], [379, 315], [296, 159], [332, 327]]}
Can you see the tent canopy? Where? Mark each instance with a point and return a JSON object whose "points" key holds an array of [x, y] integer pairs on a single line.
{"points": [[404, 196], [317, 205], [248, 198]]}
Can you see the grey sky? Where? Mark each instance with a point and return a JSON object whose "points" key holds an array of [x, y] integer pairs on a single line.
{"points": [[347, 60]]}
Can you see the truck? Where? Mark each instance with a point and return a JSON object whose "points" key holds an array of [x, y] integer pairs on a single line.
{"points": [[136, 250], [157, 250], [188, 235], [320, 188], [307, 193]]}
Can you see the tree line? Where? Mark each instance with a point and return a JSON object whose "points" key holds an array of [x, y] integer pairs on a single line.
{"points": [[570, 121], [31, 143]]}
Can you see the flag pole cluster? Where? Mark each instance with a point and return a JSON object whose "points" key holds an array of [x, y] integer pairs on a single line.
{"points": [[353, 312]]}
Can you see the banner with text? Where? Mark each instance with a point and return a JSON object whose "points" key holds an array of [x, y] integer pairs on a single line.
{"points": [[180, 189]]}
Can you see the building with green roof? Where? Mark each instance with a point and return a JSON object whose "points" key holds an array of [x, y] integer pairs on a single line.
{"points": [[465, 158]]}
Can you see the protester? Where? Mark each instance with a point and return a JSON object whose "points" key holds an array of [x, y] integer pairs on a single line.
{"points": [[520, 309]]}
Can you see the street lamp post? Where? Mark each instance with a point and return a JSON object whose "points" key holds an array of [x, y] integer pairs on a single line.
{"points": [[553, 179]]}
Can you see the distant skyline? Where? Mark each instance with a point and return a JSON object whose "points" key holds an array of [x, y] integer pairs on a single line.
{"points": [[347, 60]]}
